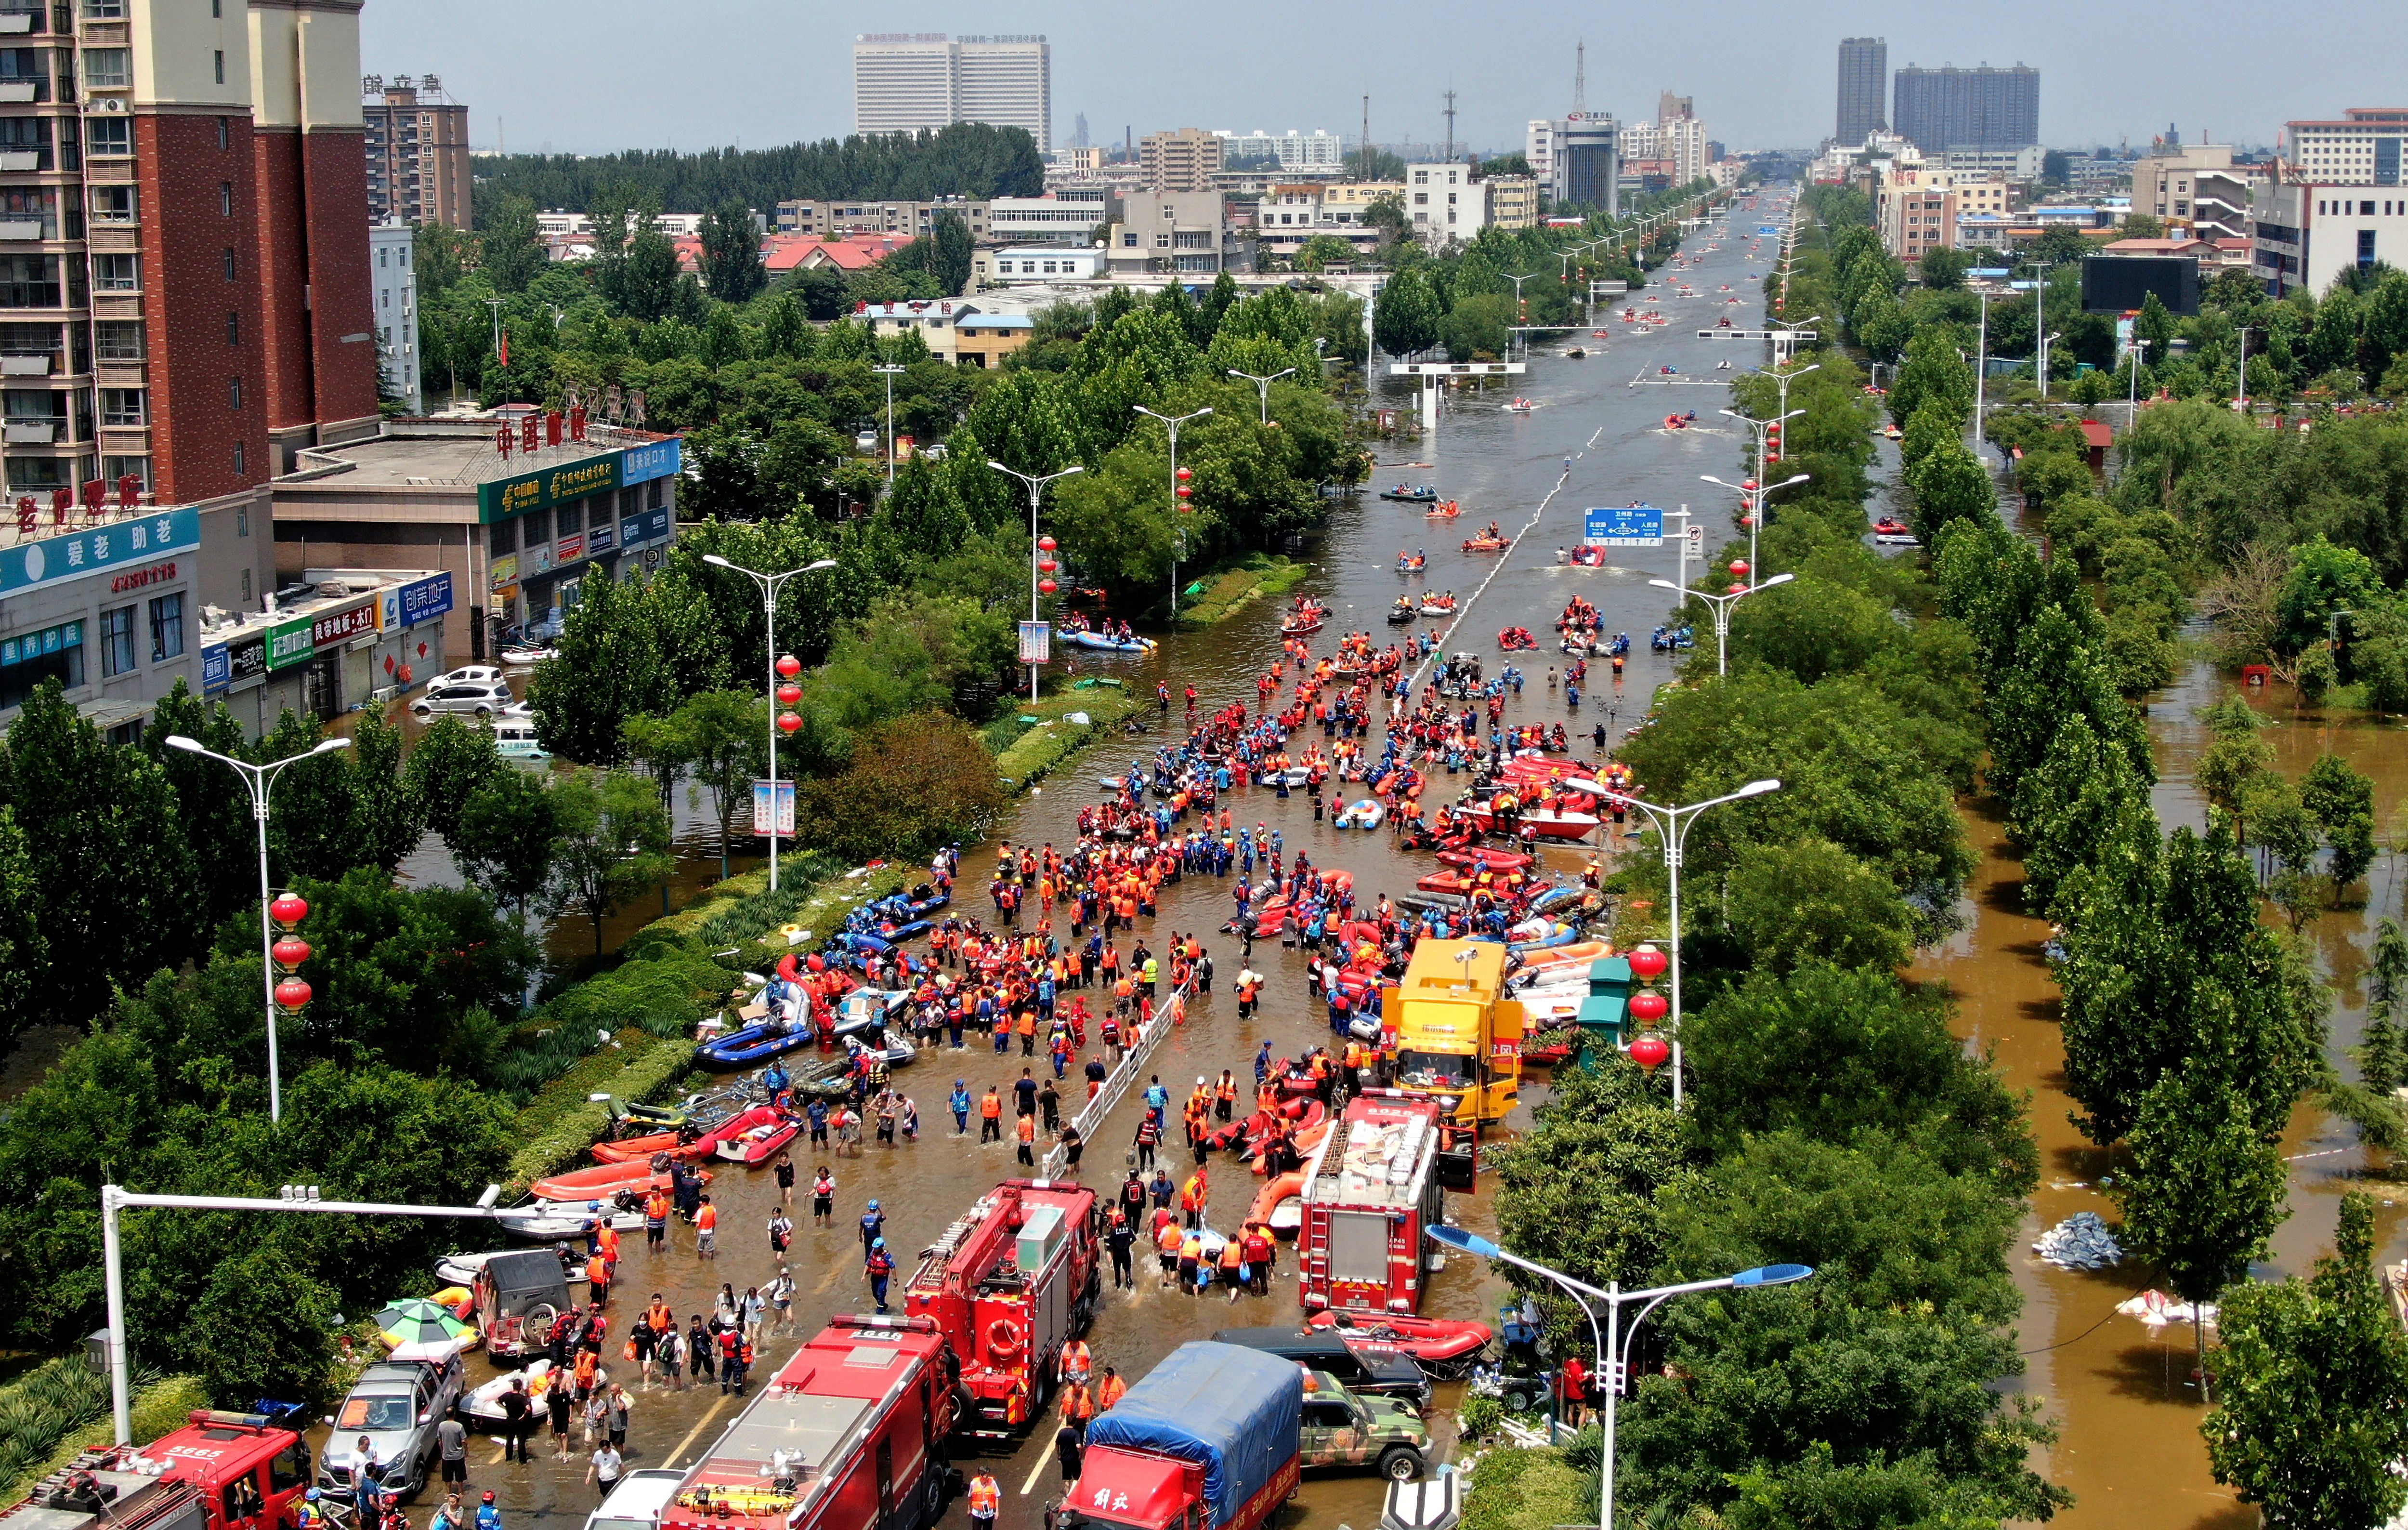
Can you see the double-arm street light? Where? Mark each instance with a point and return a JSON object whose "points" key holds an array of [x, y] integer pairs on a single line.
{"points": [[1262, 390], [1752, 501], [890, 371], [259, 779], [1672, 824], [1611, 1340], [1178, 493], [770, 584], [1036, 483], [1722, 607]]}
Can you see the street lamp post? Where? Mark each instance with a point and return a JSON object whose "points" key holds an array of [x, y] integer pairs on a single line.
{"points": [[1673, 823], [259, 780], [1981, 370], [2132, 380], [1262, 392], [1610, 1339], [2241, 373], [1753, 501], [769, 584], [1171, 424], [1036, 483], [890, 371], [1722, 607]]}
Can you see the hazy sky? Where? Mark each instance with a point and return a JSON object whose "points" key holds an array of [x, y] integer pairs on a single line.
{"points": [[594, 75]]}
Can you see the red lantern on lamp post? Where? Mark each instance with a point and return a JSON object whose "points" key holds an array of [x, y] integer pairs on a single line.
{"points": [[1649, 1051], [789, 665], [1047, 565], [291, 994], [290, 952], [1046, 586], [788, 723], [288, 910], [1649, 964], [1649, 1007], [1738, 567], [789, 693], [1046, 545]]}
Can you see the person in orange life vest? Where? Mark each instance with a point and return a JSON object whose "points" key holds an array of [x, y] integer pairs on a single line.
{"points": [[1078, 1407], [1192, 1198], [1076, 1364], [1111, 1389], [1025, 1130], [986, 1499], [598, 1279], [706, 1230]]}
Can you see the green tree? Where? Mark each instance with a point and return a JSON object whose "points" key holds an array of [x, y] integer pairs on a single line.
{"points": [[212, 809], [1944, 269], [609, 667], [387, 818], [1405, 317], [507, 829], [2342, 803], [722, 734], [2204, 1189], [2382, 1065], [1810, 901], [512, 253], [2155, 326], [732, 270], [915, 783], [453, 760], [612, 843], [949, 256], [2311, 1374]]}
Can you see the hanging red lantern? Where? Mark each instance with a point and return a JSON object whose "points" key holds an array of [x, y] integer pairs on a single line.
{"points": [[1748, 520], [788, 722], [290, 952], [1649, 1007], [1184, 475], [288, 910], [789, 693], [1186, 493], [1739, 567], [1748, 484], [1773, 430], [1771, 457], [1046, 586], [1046, 565], [789, 665], [1650, 1052], [1736, 588], [291, 993], [1045, 544], [1649, 964]]}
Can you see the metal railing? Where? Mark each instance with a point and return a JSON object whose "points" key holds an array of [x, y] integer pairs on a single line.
{"points": [[1116, 1085]]}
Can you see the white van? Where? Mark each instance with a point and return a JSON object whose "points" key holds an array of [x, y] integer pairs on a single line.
{"points": [[636, 1502], [514, 736]]}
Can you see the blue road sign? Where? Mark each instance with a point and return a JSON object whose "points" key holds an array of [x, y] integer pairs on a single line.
{"points": [[1624, 526], [1767, 228]]}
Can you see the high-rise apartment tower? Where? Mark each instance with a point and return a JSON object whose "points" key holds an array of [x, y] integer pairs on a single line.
{"points": [[1864, 86], [904, 81], [418, 151], [1945, 109]]}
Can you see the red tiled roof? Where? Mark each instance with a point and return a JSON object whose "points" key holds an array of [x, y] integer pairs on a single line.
{"points": [[2097, 435]]}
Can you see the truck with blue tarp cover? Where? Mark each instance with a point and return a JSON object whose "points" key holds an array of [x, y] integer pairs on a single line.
{"points": [[1214, 1427]]}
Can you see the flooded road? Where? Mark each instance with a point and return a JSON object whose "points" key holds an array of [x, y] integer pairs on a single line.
{"points": [[1498, 465]]}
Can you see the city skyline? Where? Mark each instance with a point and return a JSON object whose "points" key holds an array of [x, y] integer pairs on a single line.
{"points": [[776, 73]]}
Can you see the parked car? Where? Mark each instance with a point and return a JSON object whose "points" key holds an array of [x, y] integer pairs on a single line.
{"points": [[517, 1296], [475, 697], [1342, 1430], [396, 1404], [1366, 1373], [636, 1502], [866, 440], [467, 675]]}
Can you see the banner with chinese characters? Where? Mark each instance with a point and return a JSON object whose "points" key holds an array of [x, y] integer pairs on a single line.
{"points": [[54, 559]]}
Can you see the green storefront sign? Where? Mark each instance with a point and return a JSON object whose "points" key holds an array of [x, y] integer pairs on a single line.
{"points": [[549, 486], [291, 643]]}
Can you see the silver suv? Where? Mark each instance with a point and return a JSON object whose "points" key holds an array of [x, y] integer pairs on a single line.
{"points": [[396, 1405], [474, 697]]}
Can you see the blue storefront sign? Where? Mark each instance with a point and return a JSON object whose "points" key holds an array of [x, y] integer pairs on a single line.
{"points": [[653, 459], [33, 645], [1624, 526], [54, 559], [411, 604], [643, 529], [217, 669], [600, 538]]}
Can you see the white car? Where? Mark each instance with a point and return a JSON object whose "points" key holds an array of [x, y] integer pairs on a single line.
{"points": [[476, 697], [866, 440], [467, 675]]}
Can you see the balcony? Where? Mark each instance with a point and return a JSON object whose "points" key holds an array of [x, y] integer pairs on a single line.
{"points": [[30, 434], [34, 366], [20, 92], [20, 159]]}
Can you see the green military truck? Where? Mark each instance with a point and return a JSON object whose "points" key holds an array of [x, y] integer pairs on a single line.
{"points": [[1344, 1429]]}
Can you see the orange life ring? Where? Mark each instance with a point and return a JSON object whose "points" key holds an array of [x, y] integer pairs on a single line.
{"points": [[1003, 1341]]}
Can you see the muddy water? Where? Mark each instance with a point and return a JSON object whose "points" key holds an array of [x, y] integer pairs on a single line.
{"points": [[1499, 465]]}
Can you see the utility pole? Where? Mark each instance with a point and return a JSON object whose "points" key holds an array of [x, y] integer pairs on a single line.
{"points": [[1981, 372], [1448, 157], [2240, 374], [1367, 137], [2040, 321]]}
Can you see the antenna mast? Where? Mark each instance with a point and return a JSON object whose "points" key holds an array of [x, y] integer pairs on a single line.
{"points": [[1580, 78], [1367, 137], [1448, 158]]}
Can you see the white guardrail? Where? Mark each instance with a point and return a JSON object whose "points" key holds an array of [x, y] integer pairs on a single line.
{"points": [[1167, 1017]]}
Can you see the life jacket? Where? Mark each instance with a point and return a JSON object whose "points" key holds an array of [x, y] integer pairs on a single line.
{"points": [[986, 1497]]}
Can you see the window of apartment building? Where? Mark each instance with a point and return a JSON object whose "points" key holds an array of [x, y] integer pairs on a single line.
{"points": [[2366, 246], [29, 282], [26, 66], [136, 468], [117, 641], [220, 52], [168, 627], [228, 262], [234, 393], [108, 69], [225, 198], [112, 137], [238, 456], [104, 10], [234, 330], [225, 135], [27, 135], [116, 273], [35, 204], [33, 406], [118, 339], [121, 406]]}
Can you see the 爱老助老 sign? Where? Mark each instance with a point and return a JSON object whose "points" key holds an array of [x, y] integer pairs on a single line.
{"points": [[1624, 526], [136, 539]]}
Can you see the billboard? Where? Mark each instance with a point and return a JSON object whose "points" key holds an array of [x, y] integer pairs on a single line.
{"points": [[1036, 643], [422, 601], [114, 546], [547, 487], [654, 459], [1622, 526], [785, 808], [2119, 283]]}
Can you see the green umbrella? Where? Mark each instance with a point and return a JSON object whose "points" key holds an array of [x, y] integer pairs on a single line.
{"points": [[418, 1329]]}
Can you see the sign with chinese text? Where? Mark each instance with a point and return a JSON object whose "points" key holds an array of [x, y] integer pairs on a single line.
{"points": [[785, 808], [653, 459], [549, 486], [410, 604], [111, 547], [217, 669], [1036, 643], [601, 537], [504, 573], [33, 645], [292, 642], [337, 628], [1624, 526], [571, 548]]}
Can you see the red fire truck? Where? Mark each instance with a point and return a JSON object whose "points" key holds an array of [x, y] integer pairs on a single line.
{"points": [[1017, 1277], [1370, 1189], [222, 1471], [852, 1433]]}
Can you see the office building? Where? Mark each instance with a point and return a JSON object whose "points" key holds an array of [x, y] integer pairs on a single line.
{"points": [[393, 284], [2306, 233], [2198, 188], [839, 217], [904, 82], [1864, 89], [1948, 108], [1443, 205], [1538, 148], [1184, 161], [1185, 232], [1292, 152], [1048, 220], [1588, 163], [515, 528], [2360, 147], [2020, 166], [187, 281], [418, 151]]}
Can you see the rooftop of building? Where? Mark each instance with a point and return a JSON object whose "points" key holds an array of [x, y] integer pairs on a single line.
{"points": [[452, 452], [318, 592]]}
